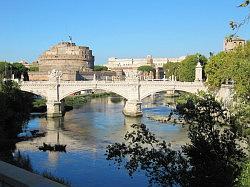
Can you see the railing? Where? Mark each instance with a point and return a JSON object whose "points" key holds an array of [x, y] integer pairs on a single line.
{"points": [[144, 82]]}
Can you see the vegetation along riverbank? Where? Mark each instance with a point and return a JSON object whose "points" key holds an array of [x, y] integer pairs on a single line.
{"points": [[15, 108], [72, 101]]}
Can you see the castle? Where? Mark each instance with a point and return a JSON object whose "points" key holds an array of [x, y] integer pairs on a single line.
{"points": [[66, 57]]}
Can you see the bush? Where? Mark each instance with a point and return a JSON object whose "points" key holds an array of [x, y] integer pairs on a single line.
{"points": [[100, 68]]}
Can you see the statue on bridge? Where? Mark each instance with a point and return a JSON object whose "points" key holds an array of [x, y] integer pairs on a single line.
{"points": [[198, 70], [55, 75]]}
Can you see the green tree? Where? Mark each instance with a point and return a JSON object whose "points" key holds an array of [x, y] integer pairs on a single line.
{"points": [[100, 68], [171, 68], [15, 108], [214, 154], [146, 69], [19, 69], [234, 66], [5, 70], [237, 25], [142, 150], [34, 68], [187, 67], [244, 179], [213, 157], [15, 105]]}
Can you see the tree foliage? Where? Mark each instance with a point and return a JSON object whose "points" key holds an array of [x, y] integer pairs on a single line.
{"points": [[213, 158], [186, 71], [15, 104], [100, 68], [5, 69], [15, 108], [237, 25], [18, 69], [233, 65], [244, 179], [214, 154], [34, 68], [142, 150], [171, 68], [146, 69]]}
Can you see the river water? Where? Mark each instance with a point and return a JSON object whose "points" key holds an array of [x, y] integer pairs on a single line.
{"points": [[87, 131]]}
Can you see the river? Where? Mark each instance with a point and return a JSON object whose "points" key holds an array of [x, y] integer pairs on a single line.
{"points": [[87, 131]]}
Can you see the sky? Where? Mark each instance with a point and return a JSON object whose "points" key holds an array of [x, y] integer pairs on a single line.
{"points": [[117, 28]]}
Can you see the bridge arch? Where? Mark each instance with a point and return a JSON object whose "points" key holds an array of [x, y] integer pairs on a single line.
{"points": [[35, 92], [153, 91], [70, 92]]}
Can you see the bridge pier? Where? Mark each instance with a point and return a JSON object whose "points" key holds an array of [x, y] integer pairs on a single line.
{"points": [[55, 109], [132, 108]]}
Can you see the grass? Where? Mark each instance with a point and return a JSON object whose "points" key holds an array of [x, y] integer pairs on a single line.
{"points": [[60, 180], [23, 161]]}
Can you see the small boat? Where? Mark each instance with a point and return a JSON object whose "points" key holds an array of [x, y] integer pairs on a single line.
{"points": [[56, 147], [59, 147], [37, 133]]}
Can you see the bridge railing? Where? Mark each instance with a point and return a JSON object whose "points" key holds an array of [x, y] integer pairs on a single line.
{"points": [[148, 81]]}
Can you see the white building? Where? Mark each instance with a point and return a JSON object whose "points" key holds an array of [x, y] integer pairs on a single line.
{"points": [[130, 65]]}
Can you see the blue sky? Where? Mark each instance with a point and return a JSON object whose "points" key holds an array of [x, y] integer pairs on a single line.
{"points": [[117, 28]]}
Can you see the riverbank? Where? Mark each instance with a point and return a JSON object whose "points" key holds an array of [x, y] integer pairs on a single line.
{"points": [[71, 102]]}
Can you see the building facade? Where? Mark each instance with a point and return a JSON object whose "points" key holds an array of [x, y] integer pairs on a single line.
{"points": [[25, 63], [130, 65], [230, 43]]}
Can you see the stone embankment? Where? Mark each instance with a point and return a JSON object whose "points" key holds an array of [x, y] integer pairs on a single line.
{"points": [[12, 176]]}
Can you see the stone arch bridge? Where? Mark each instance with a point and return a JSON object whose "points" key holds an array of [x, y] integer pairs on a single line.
{"points": [[133, 91]]}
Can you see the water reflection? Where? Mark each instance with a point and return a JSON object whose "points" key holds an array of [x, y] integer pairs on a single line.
{"points": [[87, 131], [128, 121]]}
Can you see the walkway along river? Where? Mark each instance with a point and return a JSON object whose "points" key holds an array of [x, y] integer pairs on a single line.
{"points": [[87, 131]]}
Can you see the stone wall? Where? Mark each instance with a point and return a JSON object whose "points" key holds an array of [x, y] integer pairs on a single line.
{"points": [[38, 76], [230, 44]]}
